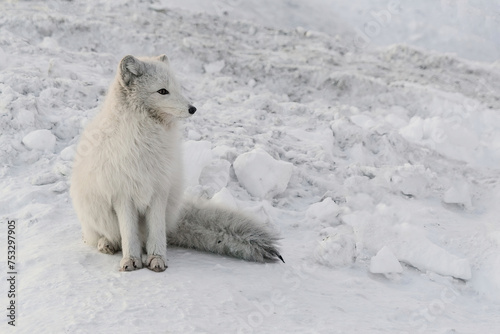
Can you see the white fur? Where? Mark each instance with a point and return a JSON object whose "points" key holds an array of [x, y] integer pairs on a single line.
{"points": [[127, 176]]}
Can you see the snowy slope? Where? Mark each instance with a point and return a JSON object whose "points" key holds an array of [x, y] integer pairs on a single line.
{"points": [[468, 28], [393, 149]]}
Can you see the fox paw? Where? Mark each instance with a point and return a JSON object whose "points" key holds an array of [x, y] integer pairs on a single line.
{"points": [[130, 263], [104, 246], [156, 263]]}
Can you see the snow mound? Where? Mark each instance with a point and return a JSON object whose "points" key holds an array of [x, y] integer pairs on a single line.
{"points": [[337, 248], [427, 256], [385, 262], [261, 174], [214, 67], [215, 175], [44, 178], [323, 212], [408, 242], [68, 154], [486, 279], [42, 140], [458, 194], [411, 181], [224, 197]]}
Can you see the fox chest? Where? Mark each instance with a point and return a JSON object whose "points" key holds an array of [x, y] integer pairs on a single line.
{"points": [[145, 168]]}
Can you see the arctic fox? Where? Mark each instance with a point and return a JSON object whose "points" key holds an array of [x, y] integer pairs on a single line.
{"points": [[127, 177]]}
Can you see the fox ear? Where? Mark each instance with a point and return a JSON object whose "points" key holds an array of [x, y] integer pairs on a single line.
{"points": [[163, 58], [130, 67]]}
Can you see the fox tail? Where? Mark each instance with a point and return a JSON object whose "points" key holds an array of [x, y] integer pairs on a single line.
{"points": [[220, 230]]}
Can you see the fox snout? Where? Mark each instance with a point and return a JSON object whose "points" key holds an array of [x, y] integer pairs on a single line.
{"points": [[192, 109]]}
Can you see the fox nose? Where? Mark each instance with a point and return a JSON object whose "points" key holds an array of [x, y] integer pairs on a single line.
{"points": [[192, 109]]}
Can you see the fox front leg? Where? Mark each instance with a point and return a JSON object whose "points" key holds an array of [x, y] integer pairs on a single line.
{"points": [[156, 243], [128, 220]]}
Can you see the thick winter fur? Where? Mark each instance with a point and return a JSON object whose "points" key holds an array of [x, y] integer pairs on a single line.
{"points": [[127, 178], [223, 231]]}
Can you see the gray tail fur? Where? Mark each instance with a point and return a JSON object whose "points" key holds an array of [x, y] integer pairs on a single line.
{"points": [[220, 230]]}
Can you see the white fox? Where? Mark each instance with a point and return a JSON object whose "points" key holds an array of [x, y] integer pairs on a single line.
{"points": [[127, 187]]}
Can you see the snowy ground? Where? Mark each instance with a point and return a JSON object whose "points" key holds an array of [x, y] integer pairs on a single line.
{"points": [[390, 219]]}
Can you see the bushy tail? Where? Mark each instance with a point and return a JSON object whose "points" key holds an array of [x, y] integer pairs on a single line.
{"points": [[216, 229]]}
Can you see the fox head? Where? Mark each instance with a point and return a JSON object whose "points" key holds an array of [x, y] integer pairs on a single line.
{"points": [[150, 83]]}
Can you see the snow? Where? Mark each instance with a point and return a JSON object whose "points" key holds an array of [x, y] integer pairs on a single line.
{"points": [[362, 156], [197, 155], [214, 67], [338, 247], [261, 174], [385, 262], [409, 242], [42, 140], [458, 194], [224, 197], [324, 212]]}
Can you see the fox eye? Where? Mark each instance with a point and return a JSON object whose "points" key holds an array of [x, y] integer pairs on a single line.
{"points": [[163, 91]]}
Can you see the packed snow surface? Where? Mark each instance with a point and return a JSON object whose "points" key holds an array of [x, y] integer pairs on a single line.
{"points": [[377, 164]]}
